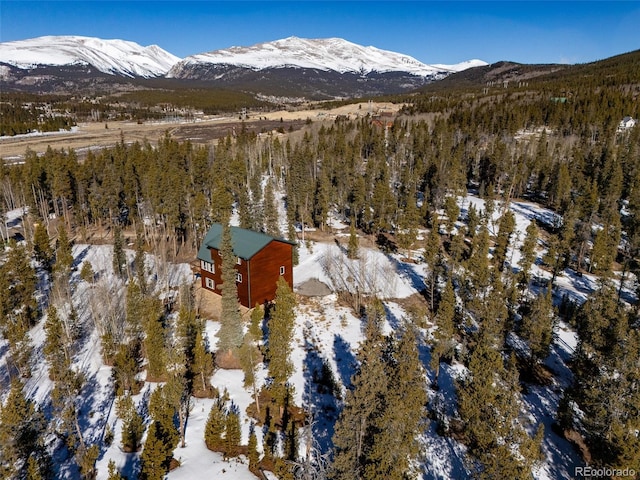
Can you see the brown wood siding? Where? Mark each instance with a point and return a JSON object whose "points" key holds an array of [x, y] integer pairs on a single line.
{"points": [[264, 268], [217, 275], [243, 287]]}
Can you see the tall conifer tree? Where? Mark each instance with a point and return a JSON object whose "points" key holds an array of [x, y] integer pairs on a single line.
{"points": [[230, 334], [281, 326], [22, 433], [356, 426]]}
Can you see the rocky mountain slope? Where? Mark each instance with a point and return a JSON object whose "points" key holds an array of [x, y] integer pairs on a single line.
{"points": [[116, 57], [291, 67]]}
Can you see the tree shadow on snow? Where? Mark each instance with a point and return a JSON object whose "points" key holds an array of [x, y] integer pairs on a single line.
{"points": [[320, 396], [561, 456], [446, 456], [345, 360], [407, 270], [6, 373], [394, 322], [79, 258], [131, 466]]}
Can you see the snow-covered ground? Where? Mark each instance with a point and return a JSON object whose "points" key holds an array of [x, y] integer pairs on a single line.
{"points": [[326, 332]]}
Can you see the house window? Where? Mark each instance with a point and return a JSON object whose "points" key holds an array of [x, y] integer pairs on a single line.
{"points": [[209, 283], [238, 260], [209, 267], [239, 277], [282, 270]]}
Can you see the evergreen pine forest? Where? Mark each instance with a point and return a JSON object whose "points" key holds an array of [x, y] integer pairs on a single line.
{"points": [[398, 190]]}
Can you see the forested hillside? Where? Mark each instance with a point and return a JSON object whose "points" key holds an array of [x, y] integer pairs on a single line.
{"points": [[492, 200]]}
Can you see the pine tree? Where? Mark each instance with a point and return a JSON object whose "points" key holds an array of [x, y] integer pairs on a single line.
{"points": [[553, 258], [22, 432], [478, 263], [139, 264], [64, 256], [135, 305], [233, 433], [154, 339], [119, 257], [322, 199], [605, 249], [352, 248], [156, 454], [126, 365], [605, 389], [445, 333], [431, 255], [271, 220], [215, 426], [202, 367], [528, 252], [56, 345], [363, 405], [255, 327], [112, 470], [18, 306], [452, 210], [281, 326], [407, 228], [132, 423], [283, 469], [86, 459], [252, 449], [473, 220], [33, 470], [490, 409], [86, 272], [177, 392], [292, 236], [162, 410], [505, 231], [457, 248], [42, 246], [537, 326], [402, 419], [250, 358], [65, 398], [230, 334]]}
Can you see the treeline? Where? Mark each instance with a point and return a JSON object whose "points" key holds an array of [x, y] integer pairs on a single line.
{"points": [[17, 117], [25, 113], [209, 101]]}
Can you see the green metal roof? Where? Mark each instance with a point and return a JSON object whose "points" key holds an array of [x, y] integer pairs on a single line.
{"points": [[246, 243]]}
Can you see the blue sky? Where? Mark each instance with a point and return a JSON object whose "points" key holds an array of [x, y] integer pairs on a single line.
{"points": [[431, 31]]}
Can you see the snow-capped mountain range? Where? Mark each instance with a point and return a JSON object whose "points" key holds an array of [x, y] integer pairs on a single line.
{"points": [[116, 57], [122, 57], [291, 67], [333, 54]]}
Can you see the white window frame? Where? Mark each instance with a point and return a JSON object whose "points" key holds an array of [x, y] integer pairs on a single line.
{"points": [[238, 261], [208, 266], [282, 270], [210, 284], [239, 277]]}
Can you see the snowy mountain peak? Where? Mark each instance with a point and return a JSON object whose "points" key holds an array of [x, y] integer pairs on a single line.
{"points": [[119, 57], [327, 54]]}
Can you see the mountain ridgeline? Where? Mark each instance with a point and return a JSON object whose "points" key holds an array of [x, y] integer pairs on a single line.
{"points": [[295, 67]]}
